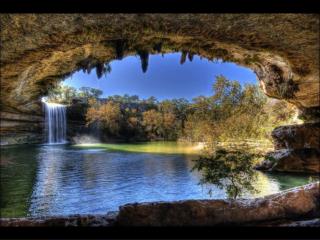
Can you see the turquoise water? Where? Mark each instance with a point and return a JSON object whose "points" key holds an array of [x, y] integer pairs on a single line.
{"points": [[47, 180]]}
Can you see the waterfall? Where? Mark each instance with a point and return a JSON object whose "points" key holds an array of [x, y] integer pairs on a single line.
{"points": [[56, 123]]}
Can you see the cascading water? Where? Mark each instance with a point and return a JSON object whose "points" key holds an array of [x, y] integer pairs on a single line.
{"points": [[56, 123]]}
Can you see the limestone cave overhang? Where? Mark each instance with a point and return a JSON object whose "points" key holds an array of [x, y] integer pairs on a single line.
{"points": [[38, 50]]}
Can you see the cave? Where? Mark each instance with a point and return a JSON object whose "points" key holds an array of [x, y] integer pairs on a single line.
{"points": [[39, 51]]}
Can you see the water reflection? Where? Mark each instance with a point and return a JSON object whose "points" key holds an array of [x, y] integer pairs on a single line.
{"points": [[17, 172], [69, 180]]}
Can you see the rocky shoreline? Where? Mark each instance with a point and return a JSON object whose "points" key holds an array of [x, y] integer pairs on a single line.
{"points": [[296, 207]]}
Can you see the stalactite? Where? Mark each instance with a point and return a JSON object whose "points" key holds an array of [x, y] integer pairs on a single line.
{"points": [[158, 47], [100, 69], [144, 57], [120, 46], [190, 56], [183, 57]]}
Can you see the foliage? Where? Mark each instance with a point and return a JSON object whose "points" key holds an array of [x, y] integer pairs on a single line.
{"points": [[232, 112], [87, 93], [108, 114], [62, 94], [231, 170], [65, 94]]}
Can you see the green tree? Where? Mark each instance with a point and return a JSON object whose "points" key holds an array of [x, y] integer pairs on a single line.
{"points": [[231, 170], [87, 93]]}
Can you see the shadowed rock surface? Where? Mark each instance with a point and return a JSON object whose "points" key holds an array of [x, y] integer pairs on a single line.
{"points": [[61, 221], [297, 149], [295, 207], [297, 136]]}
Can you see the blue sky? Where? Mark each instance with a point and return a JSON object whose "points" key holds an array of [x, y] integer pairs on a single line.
{"points": [[165, 78]]}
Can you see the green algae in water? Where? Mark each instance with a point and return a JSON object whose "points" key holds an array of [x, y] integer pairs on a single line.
{"points": [[147, 147], [18, 172]]}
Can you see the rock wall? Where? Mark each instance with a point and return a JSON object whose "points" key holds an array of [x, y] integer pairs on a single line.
{"points": [[21, 128]]}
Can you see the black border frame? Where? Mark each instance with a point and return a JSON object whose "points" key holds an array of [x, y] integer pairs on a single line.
{"points": [[159, 6]]}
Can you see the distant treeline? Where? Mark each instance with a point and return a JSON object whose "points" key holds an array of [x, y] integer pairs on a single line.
{"points": [[232, 112]]}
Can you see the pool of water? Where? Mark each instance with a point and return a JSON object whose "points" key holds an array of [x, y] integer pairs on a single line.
{"points": [[45, 180]]}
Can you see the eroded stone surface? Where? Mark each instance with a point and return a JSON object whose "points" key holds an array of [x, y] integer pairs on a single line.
{"points": [[306, 160], [297, 136], [62, 221], [299, 202], [297, 149], [21, 128]]}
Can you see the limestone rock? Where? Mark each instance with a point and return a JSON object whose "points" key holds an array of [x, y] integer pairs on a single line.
{"points": [[295, 203], [299, 160], [61, 221], [20, 128], [305, 160], [297, 136], [39, 50], [297, 149]]}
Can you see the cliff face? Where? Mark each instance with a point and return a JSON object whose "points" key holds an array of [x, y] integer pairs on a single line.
{"points": [[20, 128], [38, 51]]}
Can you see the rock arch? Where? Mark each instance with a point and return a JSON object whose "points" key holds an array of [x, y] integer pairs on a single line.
{"points": [[38, 50]]}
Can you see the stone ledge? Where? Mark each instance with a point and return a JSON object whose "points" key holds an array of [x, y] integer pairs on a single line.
{"points": [[291, 204]]}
